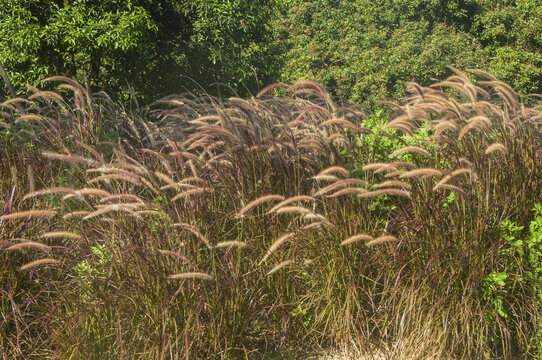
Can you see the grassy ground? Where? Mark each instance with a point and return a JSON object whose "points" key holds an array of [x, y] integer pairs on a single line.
{"points": [[245, 229]]}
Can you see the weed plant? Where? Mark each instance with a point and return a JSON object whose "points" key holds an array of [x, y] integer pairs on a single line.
{"points": [[263, 226]]}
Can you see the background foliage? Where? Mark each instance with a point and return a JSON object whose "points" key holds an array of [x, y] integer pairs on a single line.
{"points": [[364, 50], [152, 45], [371, 50]]}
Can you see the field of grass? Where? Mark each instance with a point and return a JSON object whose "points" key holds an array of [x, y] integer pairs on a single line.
{"points": [[278, 226]]}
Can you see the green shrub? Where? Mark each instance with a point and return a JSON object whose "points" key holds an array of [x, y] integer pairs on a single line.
{"points": [[520, 269], [369, 51]]}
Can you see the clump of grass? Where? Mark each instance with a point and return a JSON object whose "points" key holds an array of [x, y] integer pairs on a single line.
{"points": [[158, 260]]}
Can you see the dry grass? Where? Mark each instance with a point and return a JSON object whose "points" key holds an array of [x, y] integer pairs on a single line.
{"points": [[164, 197]]}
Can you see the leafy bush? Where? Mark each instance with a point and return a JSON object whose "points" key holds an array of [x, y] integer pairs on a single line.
{"points": [[146, 48], [520, 268], [369, 51]]}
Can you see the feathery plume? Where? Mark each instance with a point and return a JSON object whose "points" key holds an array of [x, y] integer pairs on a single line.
{"points": [[495, 147], [390, 191], [75, 213], [54, 190], [334, 170], [72, 158], [259, 201], [394, 173], [325, 177], [60, 234], [347, 191], [373, 166], [191, 192], [344, 123], [30, 214], [426, 172], [230, 244], [415, 149], [114, 177], [276, 245], [26, 244], [191, 276], [122, 197], [356, 238], [38, 263], [393, 183], [381, 240], [280, 266], [338, 184], [291, 200]]}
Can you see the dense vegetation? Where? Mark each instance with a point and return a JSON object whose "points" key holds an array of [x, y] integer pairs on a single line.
{"points": [[159, 201], [370, 50], [155, 47], [360, 49], [272, 225]]}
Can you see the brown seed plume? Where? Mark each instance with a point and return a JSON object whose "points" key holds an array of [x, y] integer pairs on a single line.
{"points": [[230, 244], [390, 191], [421, 172], [291, 200], [38, 263], [338, 184], [495, 147], [191, 276], [415, 149], [276, 245], [60, 234], [280, 266], [28, 244], [259, 201], [53, 190], [28, 214], [356, 238], [381, 240]]}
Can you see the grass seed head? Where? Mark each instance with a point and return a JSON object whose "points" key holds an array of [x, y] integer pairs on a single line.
{"points": [[28, 214], [280, 266], [495, 147], [259, 201], [29, 244], [191, 276], [381, 240], [39, 263], [356, 238]]}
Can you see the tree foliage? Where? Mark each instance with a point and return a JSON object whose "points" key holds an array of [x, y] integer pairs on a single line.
{"points": [[153, 45], [104, 42], [369, 50], [365, 50]]}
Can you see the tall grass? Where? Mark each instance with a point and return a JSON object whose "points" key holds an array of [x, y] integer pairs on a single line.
{"points": [[266, 225]]}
